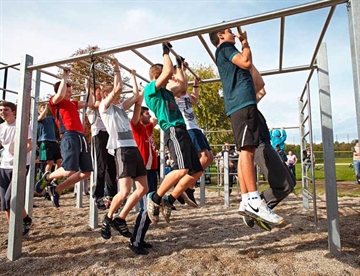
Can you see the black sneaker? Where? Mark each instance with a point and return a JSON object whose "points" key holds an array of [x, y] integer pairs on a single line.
{"points": [[139, 250], [120, 225], [188, 196], [146, 245], [106, 227], [27, 222], [54, 196], [100, 204], [181, 200], [248, 221], [262, 224], [5, 242], [42, 183]]}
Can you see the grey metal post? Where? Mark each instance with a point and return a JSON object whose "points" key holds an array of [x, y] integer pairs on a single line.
{"points": [[19, 173], [93, 216], [305, 196], [226, 179], [78, 189], [311, 152], [202, 190], [29, 197], [354, 29], [328, 150]]}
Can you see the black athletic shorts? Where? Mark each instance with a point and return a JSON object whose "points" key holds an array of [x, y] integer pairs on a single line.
{"points": [[245, 125], [49, 151], [182, 150], [129, 162]]}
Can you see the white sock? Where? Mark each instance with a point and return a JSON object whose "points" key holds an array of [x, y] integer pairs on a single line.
{"points": [[245, 197], [254, 197]]}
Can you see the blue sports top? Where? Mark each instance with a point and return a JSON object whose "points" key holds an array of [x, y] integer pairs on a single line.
{"points": [[238, 85], [46, 130]]}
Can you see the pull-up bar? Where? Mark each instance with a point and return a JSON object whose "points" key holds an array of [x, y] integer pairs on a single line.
{"points": [[103, 72], [195, 32], [128, 69], [186, 66], [290, 127], [9, 65]]}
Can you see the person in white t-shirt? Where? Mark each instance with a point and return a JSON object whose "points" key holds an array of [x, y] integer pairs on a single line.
{"points": [[291, 162], [7, 141], [185, 102], [104, 181], [129, 163]]}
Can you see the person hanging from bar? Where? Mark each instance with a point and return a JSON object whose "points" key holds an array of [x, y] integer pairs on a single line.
{"points": [[241, 106], [187, 168], [104, 186], [75, 150], [129, 163], [185, 102], [278, 137], [49, 149]]}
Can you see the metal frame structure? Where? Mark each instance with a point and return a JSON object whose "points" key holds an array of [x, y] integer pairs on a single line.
{"points": [[27, 67]]}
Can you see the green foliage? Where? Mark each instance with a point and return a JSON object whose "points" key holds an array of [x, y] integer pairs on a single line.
{"points": [[156, 134]]}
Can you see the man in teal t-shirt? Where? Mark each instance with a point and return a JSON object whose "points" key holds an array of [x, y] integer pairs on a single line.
{"points": [[187, 168], [163, 104], [240, 105]]}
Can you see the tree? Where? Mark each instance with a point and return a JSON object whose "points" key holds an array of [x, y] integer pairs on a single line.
{"points": [[210, 112], [101, 64]]}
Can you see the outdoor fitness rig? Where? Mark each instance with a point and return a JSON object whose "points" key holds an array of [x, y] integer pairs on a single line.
{"points": [[29, 97]]}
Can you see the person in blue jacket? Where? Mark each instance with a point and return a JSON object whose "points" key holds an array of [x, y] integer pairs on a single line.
{"points": [[278, 137]]}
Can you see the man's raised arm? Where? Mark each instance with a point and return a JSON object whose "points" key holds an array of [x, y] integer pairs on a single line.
{"points": [[167, 70], [135, 96], [61, 92]]}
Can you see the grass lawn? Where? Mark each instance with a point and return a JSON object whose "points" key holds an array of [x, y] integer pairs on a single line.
{"points": [[344, 174]]}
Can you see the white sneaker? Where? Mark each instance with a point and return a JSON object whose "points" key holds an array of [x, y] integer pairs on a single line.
{"points": [[263, 212], [242, 208]]}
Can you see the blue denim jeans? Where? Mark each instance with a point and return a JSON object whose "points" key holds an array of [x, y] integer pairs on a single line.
{"points": [[357, 169]]}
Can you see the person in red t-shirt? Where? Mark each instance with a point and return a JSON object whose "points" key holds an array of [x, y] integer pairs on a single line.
{"points": [[142, 128], [75, 150]]}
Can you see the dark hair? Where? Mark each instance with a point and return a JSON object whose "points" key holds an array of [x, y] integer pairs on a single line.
{"points": [[214, 36], [11, 105], [143, 109], [155, 69], [56, 86]]}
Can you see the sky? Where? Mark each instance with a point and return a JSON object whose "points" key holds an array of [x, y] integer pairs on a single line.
{"points": [[51, 30]]}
